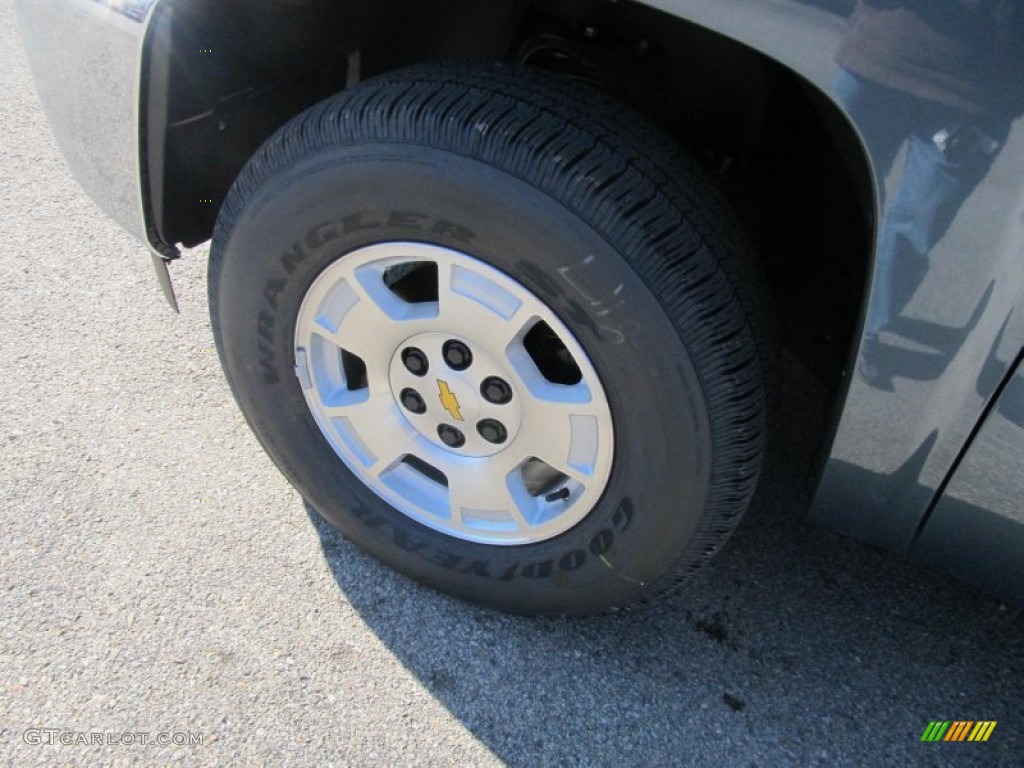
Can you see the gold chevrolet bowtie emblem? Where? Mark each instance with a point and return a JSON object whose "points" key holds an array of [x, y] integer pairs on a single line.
{"points": [[449, 401]]}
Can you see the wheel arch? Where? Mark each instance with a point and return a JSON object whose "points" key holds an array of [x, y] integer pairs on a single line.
{"points": [[220, 76]]}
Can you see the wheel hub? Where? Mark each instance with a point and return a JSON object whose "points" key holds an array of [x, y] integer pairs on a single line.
{"points": [[449, 387]]}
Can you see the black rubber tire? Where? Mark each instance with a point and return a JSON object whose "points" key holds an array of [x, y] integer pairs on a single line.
{"points": [[541, 179]]}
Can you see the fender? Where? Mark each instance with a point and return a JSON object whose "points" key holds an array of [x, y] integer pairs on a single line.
{"points": [[96, 120]]}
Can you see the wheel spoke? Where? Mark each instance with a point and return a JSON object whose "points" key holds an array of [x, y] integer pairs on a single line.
{"points": [[362, 317], [373, 430], [371, 335], [480, 497], [483, 308], [565, 435]]}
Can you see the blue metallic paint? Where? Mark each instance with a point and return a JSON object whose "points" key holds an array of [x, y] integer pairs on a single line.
{"points": [[893, 451], [977, 528]]}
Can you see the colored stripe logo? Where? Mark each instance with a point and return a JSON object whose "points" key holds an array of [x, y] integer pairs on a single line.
{"points": [[958, 730]]}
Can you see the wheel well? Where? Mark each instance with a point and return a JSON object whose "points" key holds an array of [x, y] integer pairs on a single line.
{"points": [[224, 75]]}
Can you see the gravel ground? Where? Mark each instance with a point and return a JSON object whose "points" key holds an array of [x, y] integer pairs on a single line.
{"points": [[159, 575]]}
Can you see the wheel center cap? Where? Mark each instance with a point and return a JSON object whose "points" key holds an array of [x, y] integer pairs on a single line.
{"points": [[456, 394]]}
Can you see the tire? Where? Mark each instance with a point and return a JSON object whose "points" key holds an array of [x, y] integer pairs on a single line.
{"points": [[577, 255]]}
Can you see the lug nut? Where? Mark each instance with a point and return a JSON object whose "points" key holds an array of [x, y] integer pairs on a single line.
{"points": [[492, 431], [457, 355], [415, 361], [496, 390], [412, 401], [450, 436]]}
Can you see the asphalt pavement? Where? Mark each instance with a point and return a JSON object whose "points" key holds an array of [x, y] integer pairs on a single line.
{"points": [[161, 580]]}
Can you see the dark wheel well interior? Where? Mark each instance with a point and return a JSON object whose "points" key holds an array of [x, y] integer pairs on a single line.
{"points": [[223, 76]]}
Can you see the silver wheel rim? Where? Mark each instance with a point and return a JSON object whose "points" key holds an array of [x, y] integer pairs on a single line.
{"points": [[535, 426]]}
